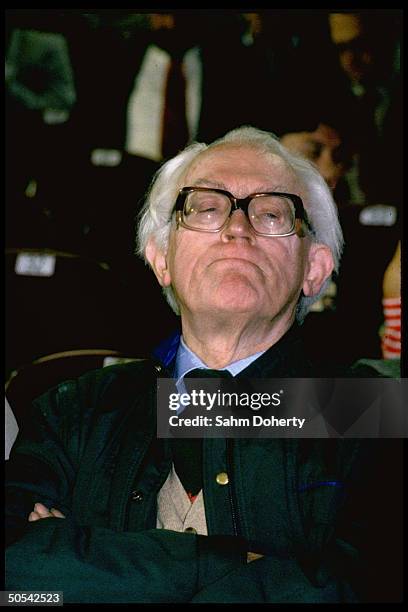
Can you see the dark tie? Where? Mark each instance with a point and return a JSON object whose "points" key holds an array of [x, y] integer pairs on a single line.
{"points": [[188, 452], [175, 134], [207, 373]]}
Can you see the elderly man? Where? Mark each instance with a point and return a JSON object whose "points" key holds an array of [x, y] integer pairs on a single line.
{"points": [[242, 237]]}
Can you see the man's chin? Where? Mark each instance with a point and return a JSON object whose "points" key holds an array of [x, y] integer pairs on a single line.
{"points": [[236, 291], [234, 302]]}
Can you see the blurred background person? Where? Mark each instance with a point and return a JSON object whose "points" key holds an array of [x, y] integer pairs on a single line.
{"points": [[391, 333], [353, 302], [338, 60], [40, 95], [367, 44]]}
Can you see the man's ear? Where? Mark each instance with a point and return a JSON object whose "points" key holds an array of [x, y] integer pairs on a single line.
{"points": [[158, 261], [320, 266]]}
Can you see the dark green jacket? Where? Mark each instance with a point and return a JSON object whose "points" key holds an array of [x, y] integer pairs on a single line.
{"points": [[89, 448]]}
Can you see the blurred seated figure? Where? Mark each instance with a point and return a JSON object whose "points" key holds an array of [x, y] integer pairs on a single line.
{"points": [[347, 64], [327, 147], [323, 146], [164, 106], [353, 299], [39, 73], [367, 45], [391, 338], [40, 95], [371, 236], [125, 63]]}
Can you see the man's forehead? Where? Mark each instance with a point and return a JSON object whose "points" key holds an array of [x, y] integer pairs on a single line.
{"points": [[242, 160]]}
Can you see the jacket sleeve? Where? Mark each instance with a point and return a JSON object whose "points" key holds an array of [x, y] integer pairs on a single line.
{"points": [[273, 580], [86, 562], [98, 565]]}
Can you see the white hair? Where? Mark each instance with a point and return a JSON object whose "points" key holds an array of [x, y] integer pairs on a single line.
{"points": [[155, 216]]}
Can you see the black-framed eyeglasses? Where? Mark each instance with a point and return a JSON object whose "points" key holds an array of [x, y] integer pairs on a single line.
{"points": [[275, 213]]}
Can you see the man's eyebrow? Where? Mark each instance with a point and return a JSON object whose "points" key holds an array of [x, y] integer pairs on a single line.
{"points": [[203, 182]]}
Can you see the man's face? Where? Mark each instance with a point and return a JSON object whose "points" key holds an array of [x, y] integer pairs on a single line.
{"points": [[236, 271], [322, 148]]}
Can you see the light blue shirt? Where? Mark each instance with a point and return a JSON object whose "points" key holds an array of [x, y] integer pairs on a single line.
{"points": [[186, 361]]}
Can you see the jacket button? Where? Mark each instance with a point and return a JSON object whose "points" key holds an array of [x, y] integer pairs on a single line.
{"points": [[136, 496], [190, 530], [158, 368], [222, 478]]}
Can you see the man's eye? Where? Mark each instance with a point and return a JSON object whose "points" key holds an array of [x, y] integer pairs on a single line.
{"points": [[204, 209], [206, 206], [269, 214]]}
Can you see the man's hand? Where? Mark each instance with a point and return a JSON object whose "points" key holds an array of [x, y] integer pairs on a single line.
{"points": [[41, 512]]}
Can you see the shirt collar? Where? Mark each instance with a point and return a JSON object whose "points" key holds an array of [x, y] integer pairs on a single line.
{"points": [[186, 361]]}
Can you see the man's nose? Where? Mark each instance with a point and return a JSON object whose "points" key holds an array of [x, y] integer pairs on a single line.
{"points": [[238, 226]]}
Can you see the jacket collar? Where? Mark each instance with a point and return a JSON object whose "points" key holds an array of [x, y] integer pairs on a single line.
{"points": [[286, 358]]}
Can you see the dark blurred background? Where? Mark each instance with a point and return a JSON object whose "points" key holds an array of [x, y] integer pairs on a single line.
{"points": [[96, 99]]}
